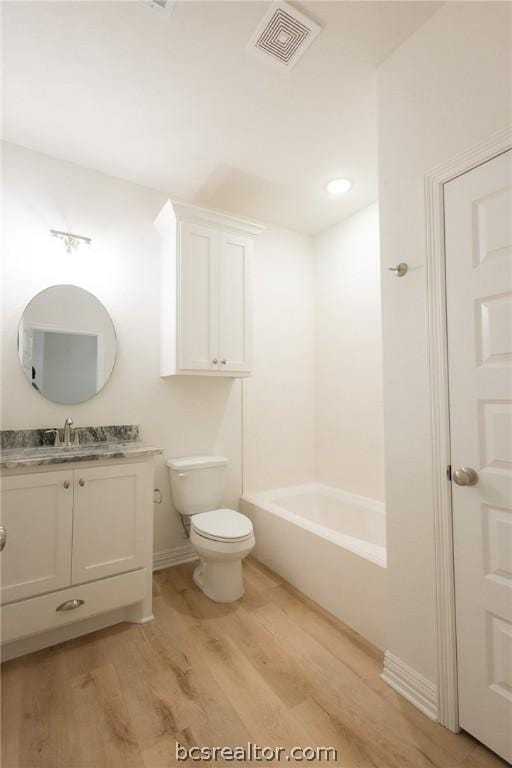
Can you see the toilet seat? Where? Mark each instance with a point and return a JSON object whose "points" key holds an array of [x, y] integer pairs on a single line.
{"points": [[224, 525]]}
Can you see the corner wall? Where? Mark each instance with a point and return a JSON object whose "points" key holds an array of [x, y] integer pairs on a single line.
{"points": [[445, 89]]}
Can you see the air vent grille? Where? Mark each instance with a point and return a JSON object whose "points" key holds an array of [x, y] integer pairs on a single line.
{"points": [[283, 35]]}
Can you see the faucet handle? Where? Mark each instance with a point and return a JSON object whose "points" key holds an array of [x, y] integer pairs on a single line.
{"points": [[76, 435], [56, 433]]}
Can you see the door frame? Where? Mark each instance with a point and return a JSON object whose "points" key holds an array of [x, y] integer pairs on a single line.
{"points": [[435, 179]]}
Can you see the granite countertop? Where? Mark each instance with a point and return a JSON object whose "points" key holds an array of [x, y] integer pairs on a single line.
{"points": [[15, 458], [30, 448]]}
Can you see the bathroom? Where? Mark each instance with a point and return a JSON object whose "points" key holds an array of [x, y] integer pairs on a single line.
{"points": [[328, 435]]}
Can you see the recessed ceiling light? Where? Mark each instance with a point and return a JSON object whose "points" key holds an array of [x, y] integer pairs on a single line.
{"points": [[338, 186]]}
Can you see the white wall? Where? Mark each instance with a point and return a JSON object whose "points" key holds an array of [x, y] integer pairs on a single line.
{"points": [[279, 432], [348, 366], [446, 88], [313, 407]]}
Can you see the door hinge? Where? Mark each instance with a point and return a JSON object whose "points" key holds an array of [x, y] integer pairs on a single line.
{"points": [[449, 472]]}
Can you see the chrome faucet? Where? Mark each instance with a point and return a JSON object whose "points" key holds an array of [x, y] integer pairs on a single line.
{"points": [[68, 424]]}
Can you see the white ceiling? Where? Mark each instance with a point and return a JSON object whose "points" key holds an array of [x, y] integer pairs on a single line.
{"points": [[180, 105]]}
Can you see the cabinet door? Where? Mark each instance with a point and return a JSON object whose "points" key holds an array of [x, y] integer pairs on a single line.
{"points": [[37, 514], [111, 520], [198, 303], [235, 302]]}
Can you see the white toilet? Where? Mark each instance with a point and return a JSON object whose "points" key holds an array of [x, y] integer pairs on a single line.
{"points": [[221, 537]]}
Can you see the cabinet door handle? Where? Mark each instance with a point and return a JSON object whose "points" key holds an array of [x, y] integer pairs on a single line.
{"points": [[70, 605], [3, 536], [223, 362], [214, 361], [66, 484], [81, 482]]}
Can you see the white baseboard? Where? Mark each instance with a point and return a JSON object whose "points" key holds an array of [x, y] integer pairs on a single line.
{"points": [[166, 558], [411, 685]]}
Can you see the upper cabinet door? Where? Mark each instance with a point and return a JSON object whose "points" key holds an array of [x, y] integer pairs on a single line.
{"points": [[235, 273], [205, 288], [37, 513], [110, 522], [198, 301]]}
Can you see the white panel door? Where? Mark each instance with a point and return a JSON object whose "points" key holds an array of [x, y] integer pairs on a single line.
{"points": [[478, 208], [109, 523], [198, 306], [235, 302], [37, 514]]}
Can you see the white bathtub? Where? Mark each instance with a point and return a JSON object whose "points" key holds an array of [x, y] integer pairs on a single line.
{"points": [[329, 544]]}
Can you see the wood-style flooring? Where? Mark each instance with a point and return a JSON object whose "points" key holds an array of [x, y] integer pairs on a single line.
{"points": [[272, 669]]}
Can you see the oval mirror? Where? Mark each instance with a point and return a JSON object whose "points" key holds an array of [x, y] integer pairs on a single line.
{"points": [[66, 344]]}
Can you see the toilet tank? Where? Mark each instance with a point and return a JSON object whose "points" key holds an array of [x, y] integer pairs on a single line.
{"points": [[197, 483]]}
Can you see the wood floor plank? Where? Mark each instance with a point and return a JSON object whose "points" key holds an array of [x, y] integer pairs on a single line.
{"points": [[272, 668]]}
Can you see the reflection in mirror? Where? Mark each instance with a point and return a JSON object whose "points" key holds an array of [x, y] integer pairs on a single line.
{"points": [[66, 344]]}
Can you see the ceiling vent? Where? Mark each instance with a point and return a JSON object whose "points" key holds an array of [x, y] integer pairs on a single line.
{"points": [[163, 6], [283, 35]]}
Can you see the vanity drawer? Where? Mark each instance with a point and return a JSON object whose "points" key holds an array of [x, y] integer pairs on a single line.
{"points": [[38, 614]]}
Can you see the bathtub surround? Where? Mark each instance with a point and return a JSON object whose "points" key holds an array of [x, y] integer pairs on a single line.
{"points": [[317, 363], [443, 91], [278, 399], [348, 357]]}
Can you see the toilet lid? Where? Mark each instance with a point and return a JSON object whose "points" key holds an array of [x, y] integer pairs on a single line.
{"points": [[222, 525]]}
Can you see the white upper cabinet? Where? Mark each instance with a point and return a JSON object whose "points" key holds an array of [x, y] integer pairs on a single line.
{"points": [[198, 270], [206, 263]]}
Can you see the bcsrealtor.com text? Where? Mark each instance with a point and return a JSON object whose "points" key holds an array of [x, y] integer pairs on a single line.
{"points": [[255, 753]]}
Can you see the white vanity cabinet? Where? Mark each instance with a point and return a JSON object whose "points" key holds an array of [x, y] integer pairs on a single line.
{"points": [[78, 551], [37, 513], [206, 292], [110, 531]]}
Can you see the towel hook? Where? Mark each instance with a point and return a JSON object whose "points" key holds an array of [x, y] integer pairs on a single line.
{"points": [[400, 270]]}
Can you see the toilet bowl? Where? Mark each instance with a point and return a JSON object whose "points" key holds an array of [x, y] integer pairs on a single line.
{"points": [[221, 537]]}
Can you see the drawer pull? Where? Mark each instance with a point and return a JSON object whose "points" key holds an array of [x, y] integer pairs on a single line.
{"points": [[70, 605]]}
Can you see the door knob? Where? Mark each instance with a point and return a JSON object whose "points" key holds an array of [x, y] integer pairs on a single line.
{"points": [[465, 476]]}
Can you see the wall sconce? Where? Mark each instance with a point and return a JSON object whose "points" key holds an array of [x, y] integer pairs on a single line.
{"points": [[71, 242]]}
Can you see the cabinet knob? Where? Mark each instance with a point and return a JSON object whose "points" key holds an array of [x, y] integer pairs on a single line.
{"points": [[223, 361], [3, 536], [214, 361], [81, 482], [66, 484], [70, 605]]}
